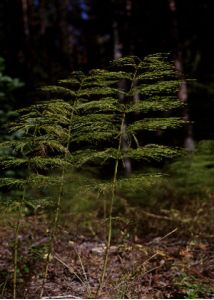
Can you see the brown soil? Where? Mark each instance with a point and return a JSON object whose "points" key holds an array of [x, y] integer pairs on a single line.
{"points": [[161, 267]]}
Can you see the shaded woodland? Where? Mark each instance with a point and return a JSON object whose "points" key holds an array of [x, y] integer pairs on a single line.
{"points": [[106, 149], [43, 41]]}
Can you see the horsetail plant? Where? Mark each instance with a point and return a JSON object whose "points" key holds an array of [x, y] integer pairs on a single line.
{"points": [[39, 149], [98, 120], [69, 90], [104, 120]]}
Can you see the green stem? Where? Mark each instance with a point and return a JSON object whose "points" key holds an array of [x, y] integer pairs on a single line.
{"points": [[17, 229], [15, 262], [56, 217], [53, 232], [114, 183], [16, 245], [109, 228]]}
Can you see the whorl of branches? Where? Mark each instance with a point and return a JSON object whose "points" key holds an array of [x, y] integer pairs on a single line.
{"points": [[84, 118]]}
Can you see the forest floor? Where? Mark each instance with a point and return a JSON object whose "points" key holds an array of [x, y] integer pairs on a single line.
{"points": [[159, 264]]}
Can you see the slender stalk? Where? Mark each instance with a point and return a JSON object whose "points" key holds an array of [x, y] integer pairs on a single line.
{"points": [[15, 259], [53, 232], [16, 244], [109, 229], [56, 216], [114, 184], [84, 273], [17, 229]]}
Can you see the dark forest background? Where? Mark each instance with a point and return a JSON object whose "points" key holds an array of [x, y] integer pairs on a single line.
{"points": [[161, 228], [43, 41]]}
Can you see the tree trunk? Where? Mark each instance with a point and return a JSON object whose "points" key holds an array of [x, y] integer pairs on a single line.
{"points": [[27, 55], [183, 92], [118, 53], [25, 18], [43, 21], [65, 34]]}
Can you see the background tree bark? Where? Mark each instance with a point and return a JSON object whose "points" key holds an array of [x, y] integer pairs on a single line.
{"points": [[183, 92]]}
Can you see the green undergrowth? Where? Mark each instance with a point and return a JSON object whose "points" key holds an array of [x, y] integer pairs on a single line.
{"points": [[182, 197], [192, 287]]}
